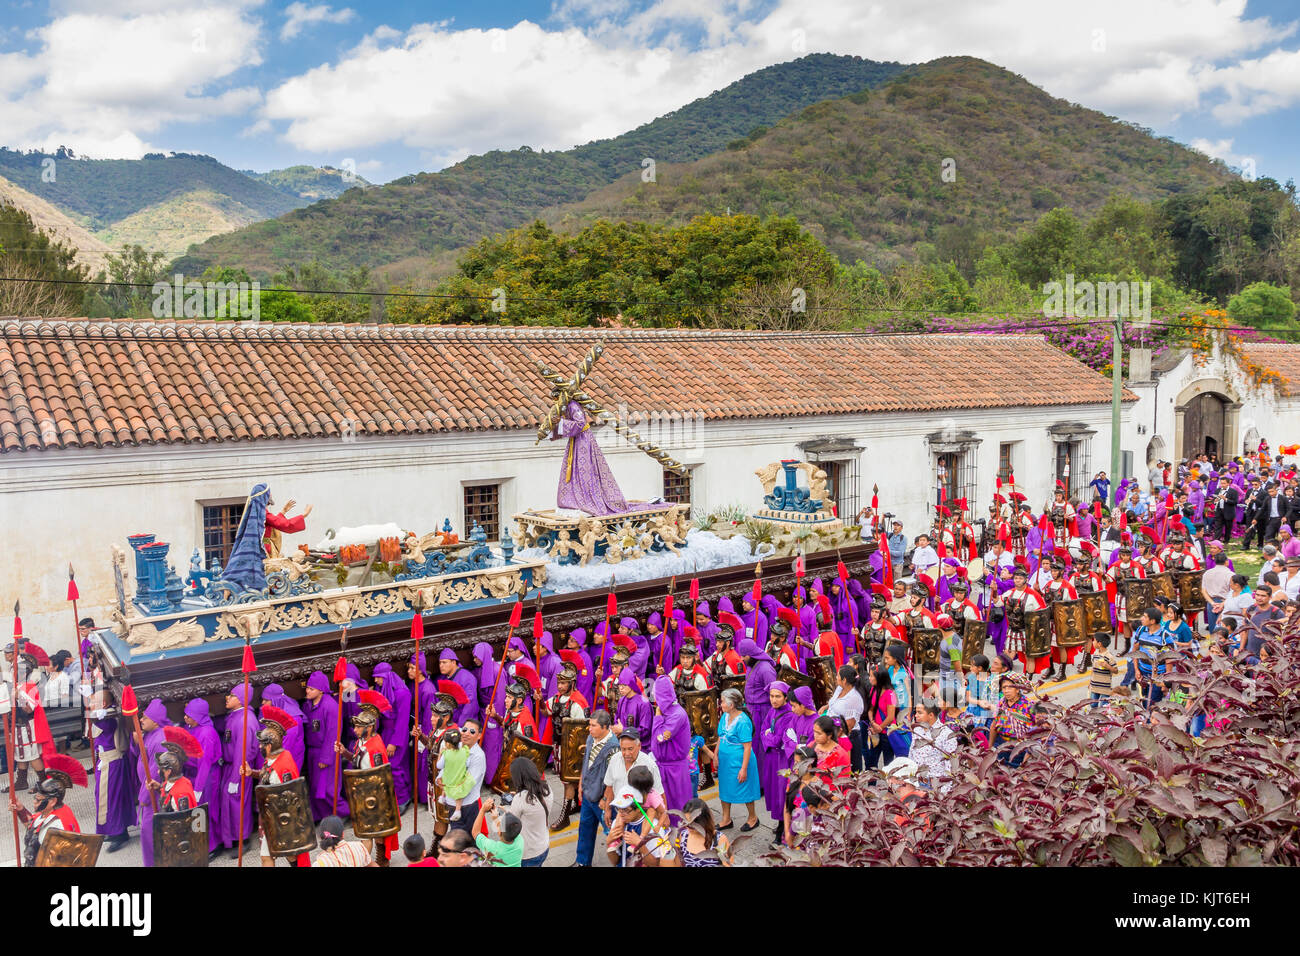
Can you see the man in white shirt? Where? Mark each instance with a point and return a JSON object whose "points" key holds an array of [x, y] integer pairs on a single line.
{"points": [[846, 703], [1216, 584], [924, 558], [1291, 581], [999, 557], [630, 755], [1237, 605], [476, 766], [1270, 555]]}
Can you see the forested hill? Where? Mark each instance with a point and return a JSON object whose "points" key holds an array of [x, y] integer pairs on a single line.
{"points": [[309, 182], [161, 202], [875, 175], [421, 215]]}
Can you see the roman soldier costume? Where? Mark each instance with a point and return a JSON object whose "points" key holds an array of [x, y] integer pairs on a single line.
{"points": [[725, 662], [689, 675], [1062, 516], [1119, 572], [175, 790], [879, 630], [1018, 601], [1058, 588], [61, 773]]}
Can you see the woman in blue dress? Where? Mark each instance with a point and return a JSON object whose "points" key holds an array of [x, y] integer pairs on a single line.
{"points": [[737, 768]]}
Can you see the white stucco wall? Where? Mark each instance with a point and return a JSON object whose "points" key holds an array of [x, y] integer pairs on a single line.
{"points": [[62, 506], [1275, 418]]}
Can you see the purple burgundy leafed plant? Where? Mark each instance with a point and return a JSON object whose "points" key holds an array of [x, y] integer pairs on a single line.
{"points": [[1105, 787]]}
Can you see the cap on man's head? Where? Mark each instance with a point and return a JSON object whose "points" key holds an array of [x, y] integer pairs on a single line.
{"points": [[1270, 549], [625, 798], [629, 735], [1293, 561]]}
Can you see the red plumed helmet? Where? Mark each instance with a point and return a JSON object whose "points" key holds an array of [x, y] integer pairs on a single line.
{"points": [[624, 640], [824, 603], [789, 615], [455, 691], [374, 699], [732, 621], [277, 716], [71, 768], [37, 653], [882, 590], [525, 673], [185, 740], [570, 657]]}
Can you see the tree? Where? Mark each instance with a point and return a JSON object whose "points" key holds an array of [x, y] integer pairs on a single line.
{"points": [[130, 274], [48, 270], [1267, 307]]}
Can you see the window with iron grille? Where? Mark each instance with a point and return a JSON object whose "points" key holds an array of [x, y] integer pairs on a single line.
{"points": [[220, 525], [1006, 465], [1074, 458], [483, 505], [955, 476], [841, 487], [677, 488]]}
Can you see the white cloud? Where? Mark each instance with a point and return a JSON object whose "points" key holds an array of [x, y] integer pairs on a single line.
{"points": [[100, 82], [1217, 149], [613, 64], [299, 15]]}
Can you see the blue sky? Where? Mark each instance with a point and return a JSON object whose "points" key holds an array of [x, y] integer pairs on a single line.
{"points": [[398, 87]]}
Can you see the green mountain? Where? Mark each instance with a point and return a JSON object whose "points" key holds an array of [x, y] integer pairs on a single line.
{"points": [[427, 214], [874, 175], [308, 182], [162, 202]]}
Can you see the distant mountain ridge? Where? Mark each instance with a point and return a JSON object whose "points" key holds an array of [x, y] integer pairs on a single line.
{"points": [[423, 215], [164, 202], [874, 174], [309, 182]]}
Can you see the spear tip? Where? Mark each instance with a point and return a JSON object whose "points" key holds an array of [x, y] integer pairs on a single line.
{"points": [[16, 604]]}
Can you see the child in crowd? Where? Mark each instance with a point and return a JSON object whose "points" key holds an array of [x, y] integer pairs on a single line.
{"points": [[1105, 666], [454, 770]]}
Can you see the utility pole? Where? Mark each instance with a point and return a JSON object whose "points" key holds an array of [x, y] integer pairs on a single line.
{"points": [[1116, 394]]}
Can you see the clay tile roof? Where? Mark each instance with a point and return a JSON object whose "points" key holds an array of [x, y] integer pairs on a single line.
{"points": [[1281, 358], [79, 383]]}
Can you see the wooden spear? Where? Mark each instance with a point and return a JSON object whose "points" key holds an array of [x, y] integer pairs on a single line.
{"points": [[247, 666], [11, 731], [417, 632]]}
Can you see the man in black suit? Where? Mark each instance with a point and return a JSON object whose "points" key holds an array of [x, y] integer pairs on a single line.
{"points": [[1270, 510], [1227, 513]]}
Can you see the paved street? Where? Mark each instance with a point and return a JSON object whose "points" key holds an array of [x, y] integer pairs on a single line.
{"points": [[563, 844]]}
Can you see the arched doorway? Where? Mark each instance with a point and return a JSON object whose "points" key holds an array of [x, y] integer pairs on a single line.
{"points": [[1155, 449], [1204, 419]]}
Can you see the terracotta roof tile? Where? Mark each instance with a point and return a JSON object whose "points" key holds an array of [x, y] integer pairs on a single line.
{"points": [[88, 383], [1281, 358]]}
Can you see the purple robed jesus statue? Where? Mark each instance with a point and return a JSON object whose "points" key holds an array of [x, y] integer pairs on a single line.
{"points": [[586, 483]]}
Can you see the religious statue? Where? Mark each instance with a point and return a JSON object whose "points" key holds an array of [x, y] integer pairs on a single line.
{"points": [[258, 524], [586, 483]]}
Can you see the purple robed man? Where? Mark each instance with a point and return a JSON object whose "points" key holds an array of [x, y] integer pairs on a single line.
{"points": [[707, 629], [548, 666], [807, 632], [801, 727], [1000, 630], [670, 737], [321, 720], [493, 736], [586, 483], [587, 673], [351, 707], [654, 637], [770, 606], [773, 738], [205, 772], [602, 653], [755, 621], [395, 728], [236, 752], [114, 797], [153, 746], [467, 681], [633, 710], [640, 659], [426, 691], [274, 695], [845, 614], [760, 675]]}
